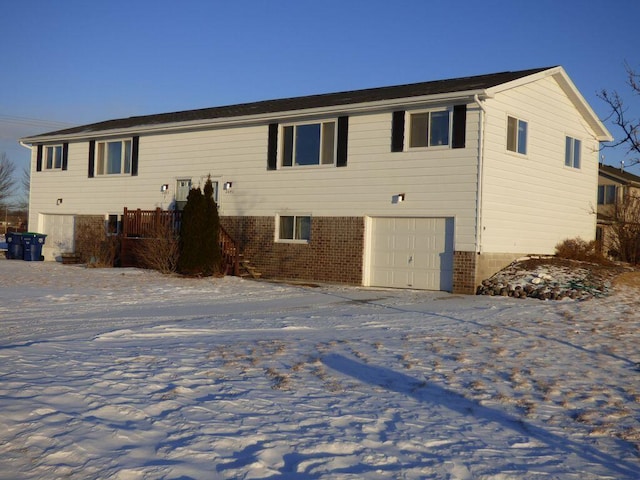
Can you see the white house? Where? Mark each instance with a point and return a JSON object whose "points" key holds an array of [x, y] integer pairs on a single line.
{"points": [[433, 185]]}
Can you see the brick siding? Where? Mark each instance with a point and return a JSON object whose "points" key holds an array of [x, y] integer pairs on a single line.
{"points": [[464, 272], [334, 253]]}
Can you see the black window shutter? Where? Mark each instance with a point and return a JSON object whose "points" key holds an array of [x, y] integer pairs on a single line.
{"points": [[135, 146], [459, 126], [397, 131], [272, 149], [39, 159], [343, 136], [65, 155], [92, 151]]}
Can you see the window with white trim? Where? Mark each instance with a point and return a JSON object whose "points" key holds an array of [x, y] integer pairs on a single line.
{"points": [[113, 157], [294, 228], [53, 157], [113, 224], [309, 144], [430, 129], [517, 135], [572, 152]]}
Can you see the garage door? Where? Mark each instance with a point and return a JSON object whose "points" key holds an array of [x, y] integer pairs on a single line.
{"points": [[412, 253], [59, 230]]}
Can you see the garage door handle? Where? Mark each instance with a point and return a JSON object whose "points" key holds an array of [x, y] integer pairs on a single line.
{"points": [[410, 259]]}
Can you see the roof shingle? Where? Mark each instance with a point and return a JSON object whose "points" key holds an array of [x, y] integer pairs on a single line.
{"points": [[478, 82]]}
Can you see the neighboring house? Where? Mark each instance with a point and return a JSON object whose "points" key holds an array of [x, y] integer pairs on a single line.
{"points": [[432, 185], [614, 185]]}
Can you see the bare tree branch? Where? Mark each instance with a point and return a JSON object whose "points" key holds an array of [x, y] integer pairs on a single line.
{"points": [[7, 183], [630, 127]]}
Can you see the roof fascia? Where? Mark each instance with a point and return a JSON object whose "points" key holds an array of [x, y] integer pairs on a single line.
{"points": [[601, 132], [619, 178], [384, 105]]}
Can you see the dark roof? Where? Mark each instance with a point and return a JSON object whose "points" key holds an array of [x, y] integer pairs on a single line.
{"points": [[312, 101], [619, 174]]}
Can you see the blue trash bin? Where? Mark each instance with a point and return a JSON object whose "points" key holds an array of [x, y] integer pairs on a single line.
{"points": [[32, 246], [14, 245]]}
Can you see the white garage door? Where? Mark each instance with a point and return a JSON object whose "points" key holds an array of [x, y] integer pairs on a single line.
{"points": [[59, 230], [412, 253]]}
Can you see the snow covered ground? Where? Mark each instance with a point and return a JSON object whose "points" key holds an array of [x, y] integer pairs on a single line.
{"points": [[128, 374]]}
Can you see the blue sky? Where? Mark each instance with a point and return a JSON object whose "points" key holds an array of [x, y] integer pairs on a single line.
{"points": [[78, 61]]}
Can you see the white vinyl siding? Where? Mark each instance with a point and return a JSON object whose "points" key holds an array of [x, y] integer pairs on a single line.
{"points": [[436, 183], [529, 206]]}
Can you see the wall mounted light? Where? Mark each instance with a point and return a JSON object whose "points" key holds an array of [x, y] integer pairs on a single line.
{"points": [[58, 201], [399, 198], [164, 188], [227, 186]]}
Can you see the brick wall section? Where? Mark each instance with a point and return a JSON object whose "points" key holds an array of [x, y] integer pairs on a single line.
{"points": [[334, 253], [464, 272]]}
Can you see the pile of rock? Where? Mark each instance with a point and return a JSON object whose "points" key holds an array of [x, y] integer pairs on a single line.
{"points": [[544, 282]]}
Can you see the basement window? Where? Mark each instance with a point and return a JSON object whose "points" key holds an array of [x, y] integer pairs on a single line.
{"points": [[294, 228], [113, 224]]}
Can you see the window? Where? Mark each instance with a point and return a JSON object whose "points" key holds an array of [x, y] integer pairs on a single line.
{"points": [[294, 228], [572, 153], [113, 225], [606, 194], [53, 157], [309, 144], [516, 135], [114, 158], [429, 129]]}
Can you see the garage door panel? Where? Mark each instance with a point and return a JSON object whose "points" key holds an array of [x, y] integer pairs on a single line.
{"points": [[60, 235], [412, 253]]}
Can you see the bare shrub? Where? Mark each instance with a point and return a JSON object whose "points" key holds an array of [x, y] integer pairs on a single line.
{"points": [[625, 238], [93, 245], [581, 250], [160, 251]]}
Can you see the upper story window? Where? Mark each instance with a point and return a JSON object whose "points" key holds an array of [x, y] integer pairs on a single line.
{"points": [[53, 157], [429, 129], [606, 194], [309, 144], [572, 152], [517, 135], [113, 157], [294, 227]]}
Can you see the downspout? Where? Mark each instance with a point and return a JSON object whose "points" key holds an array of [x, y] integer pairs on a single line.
{"points": [[30, 148], [480, 175]]}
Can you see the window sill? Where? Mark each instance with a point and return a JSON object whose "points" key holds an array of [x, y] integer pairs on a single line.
{"points": [[296, 242]]}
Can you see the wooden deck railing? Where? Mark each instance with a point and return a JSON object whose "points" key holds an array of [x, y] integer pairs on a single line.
{"points": [[147, 223]]}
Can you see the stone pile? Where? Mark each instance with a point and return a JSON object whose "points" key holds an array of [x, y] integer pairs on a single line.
{"points": [[544, 282]]}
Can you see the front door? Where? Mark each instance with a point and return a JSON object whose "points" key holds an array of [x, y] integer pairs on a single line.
{"points": [[182, 192]]}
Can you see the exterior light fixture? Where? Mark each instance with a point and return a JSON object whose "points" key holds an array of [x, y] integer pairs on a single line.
{"points": [[164, 188], [58, 201], [399, 198], [227, 186]]}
